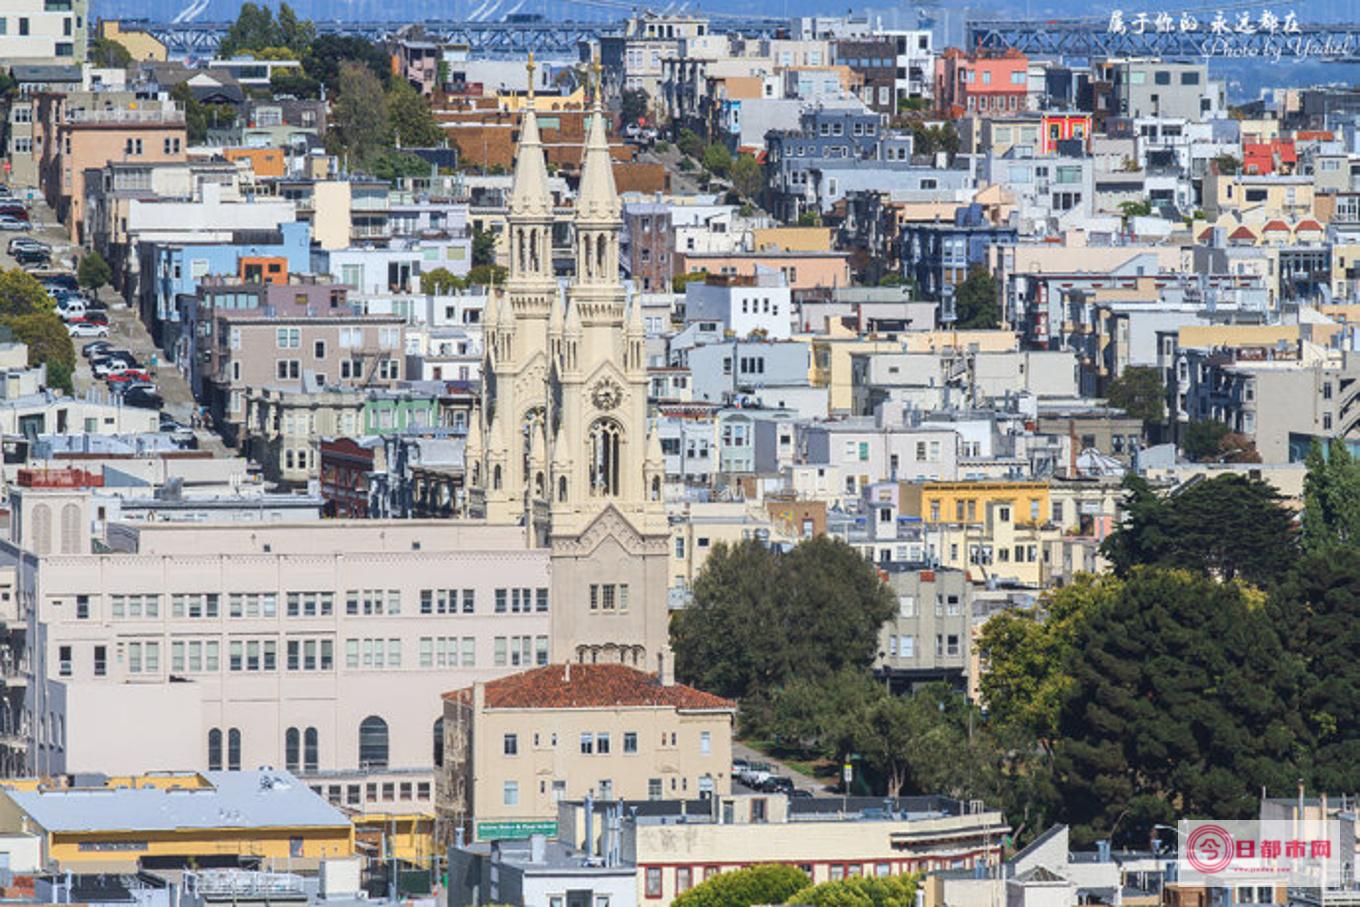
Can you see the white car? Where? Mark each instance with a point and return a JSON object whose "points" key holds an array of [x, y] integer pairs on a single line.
{"points": [[85, 329]]}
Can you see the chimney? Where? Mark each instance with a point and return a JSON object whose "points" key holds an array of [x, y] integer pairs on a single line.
{"points": [[538, 848], [665, 671], [566, 672]]}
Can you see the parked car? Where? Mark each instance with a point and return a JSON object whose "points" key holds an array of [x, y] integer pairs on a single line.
{"points": [[143, 397], [800, 793], [10, 222], [777, 784], [101, 366], [122, 374], [95, 348], [755, 774], [739, 766], [26, 242], [87, 329], [72, 310], [63, 281], [32, 257]]}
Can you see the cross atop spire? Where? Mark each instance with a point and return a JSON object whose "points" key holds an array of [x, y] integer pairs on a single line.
{"points": [[531, 66]]}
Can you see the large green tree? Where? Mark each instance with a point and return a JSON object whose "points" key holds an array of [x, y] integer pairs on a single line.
{"points": [[413, 123], [1228, 527], [20, 293], [109, 53], [1331, 498], [1202, 439], [1317, 615], [325, 57], [1026, 654], [1177, 708], [761, 617], [747, 176], [976, 301], [28, 312], [254, 29], [1141, 392], [360, 127]]}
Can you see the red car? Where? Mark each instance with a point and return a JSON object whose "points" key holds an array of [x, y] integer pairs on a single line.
{"points": [[131, 374]]}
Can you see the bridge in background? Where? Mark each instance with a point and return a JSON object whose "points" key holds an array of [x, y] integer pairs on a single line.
{"points": [[543, 37], [1085, 39]]}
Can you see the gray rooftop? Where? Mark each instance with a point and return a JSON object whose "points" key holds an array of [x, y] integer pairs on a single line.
{"points": [[251, 799]]}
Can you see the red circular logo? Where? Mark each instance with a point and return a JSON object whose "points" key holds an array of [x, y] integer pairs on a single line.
{"points": [[1209, 849]]}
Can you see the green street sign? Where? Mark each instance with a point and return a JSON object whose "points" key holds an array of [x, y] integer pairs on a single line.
{"points": [[491, 831]]}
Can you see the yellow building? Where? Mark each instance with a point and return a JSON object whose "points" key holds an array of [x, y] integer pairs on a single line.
{"points": [[968, 502], [1257, 197], [832, 364], [792, 239], [402, 836], [514, 102], [268, 815], [141, 44], [514, 748]]}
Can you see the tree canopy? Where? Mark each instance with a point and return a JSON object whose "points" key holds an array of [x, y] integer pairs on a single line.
{"points": [[413, 123], [93, 271], [769, 883], [360, 127], [1140, 392], [27, 310], [256, 30], [976, 305], [1229, 526], [860, 891], [760, 618], [1331, 498], [1176, 707], [747, 176]]}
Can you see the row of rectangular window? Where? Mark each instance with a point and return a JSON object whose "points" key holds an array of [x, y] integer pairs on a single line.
{"points": [[520, 600], [519, 651], [248, 604], [391, 791], [444, 652], [376, 653]]}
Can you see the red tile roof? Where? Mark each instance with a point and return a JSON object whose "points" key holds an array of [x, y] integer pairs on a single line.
{"points": [[1308, 224], [1206, 234], [585, 686], [1242, 232], [1276, 226]]}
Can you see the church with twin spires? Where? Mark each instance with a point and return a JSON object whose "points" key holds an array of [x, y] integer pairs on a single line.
{"points": [[561, 443]]}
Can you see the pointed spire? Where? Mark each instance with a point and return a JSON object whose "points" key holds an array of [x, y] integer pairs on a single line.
{"points": [[636, 326], [654, 456], [530, 196], [573, 321], [599, 199], [556, 315], [491, 313]]}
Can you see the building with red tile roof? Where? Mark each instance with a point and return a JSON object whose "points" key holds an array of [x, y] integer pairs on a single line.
{"points": [[514, 747]]}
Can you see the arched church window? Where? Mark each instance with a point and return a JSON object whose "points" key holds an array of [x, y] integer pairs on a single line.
{"points": [[562, 489], [599, 255], [656, 488], [519, 243], [496, 477], [538, 484], [534, 241], [605, 444]]}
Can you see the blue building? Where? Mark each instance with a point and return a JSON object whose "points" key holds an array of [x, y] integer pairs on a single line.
{"points": [[827, 135], [170, 270], [939, 255]]}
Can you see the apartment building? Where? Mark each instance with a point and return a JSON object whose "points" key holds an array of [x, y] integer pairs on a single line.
{"points": [[43, 31], [518, 746], [256, 350], [322, 648], [73, 134], [967, 83], [928, 639]]}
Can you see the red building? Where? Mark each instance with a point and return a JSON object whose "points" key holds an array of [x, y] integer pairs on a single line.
{"points": [[1062, 127], [980, 82], [1275, 156], [346, 466]]}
